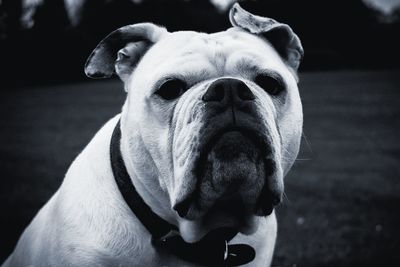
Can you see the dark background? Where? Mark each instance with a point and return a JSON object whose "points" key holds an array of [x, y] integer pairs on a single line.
{"points": [[343, 194]]}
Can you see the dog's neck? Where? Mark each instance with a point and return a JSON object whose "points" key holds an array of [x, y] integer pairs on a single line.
{"points": [[152, 195]]}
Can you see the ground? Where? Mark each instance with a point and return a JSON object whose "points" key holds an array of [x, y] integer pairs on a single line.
{"points": [[343, 194]]}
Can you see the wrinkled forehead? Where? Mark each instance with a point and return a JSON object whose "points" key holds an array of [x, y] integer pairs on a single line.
{"points": [[217, 52]]}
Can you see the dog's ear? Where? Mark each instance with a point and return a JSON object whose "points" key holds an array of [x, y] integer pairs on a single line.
{"points": [[121, 50], [280, 35]]}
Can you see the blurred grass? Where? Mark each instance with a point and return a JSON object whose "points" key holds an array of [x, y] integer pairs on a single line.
{"points": [[343, 194]]}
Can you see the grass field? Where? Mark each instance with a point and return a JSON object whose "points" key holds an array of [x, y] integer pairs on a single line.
{"points": [[343, 194]]}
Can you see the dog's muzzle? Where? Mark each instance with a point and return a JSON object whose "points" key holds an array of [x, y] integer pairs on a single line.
{"points": [[235, 160]]}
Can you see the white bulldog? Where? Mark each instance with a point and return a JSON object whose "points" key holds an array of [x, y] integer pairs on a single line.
{"points": [[210, 127]]}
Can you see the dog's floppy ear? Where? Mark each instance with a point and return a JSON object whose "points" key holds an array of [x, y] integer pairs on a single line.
{"points": [[121, 50], [280, 35]]}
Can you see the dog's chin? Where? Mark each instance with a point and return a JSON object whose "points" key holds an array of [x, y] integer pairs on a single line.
{"points": [[229, 185]]}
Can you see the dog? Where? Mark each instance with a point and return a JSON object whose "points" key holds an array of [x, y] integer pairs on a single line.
{"points": [[189, 173]]}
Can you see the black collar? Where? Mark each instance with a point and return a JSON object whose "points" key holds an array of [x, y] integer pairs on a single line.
{"points": [[212, 250]]}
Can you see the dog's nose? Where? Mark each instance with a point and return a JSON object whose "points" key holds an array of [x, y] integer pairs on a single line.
{"points": [[228, 90]]}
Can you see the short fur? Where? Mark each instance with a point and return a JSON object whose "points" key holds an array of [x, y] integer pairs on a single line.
{"points": [[87, 222]]}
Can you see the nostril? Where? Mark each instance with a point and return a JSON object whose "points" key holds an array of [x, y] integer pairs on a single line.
{"points": [[244, 92], [216, 93], [227, 90]]}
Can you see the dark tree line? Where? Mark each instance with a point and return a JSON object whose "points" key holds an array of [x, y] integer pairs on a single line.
{"points": [[48, 40]]}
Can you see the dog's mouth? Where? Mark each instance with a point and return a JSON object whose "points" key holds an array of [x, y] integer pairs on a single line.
{"points": [[231, 170]]}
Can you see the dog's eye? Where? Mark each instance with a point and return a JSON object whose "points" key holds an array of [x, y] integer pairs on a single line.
{"points": [[271, 85], [171, 89]]}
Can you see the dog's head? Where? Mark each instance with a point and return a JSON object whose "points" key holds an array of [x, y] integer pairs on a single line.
{"points": [[211, 120]]}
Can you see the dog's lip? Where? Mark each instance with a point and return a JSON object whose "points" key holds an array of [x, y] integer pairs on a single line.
{"points": [[251, 131], [208, 142]]}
